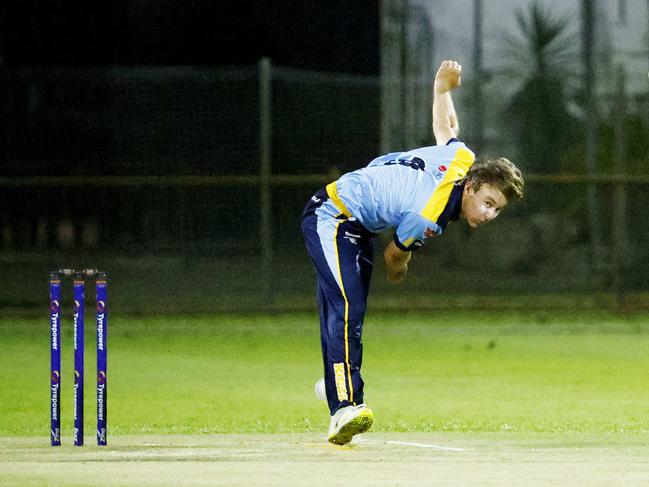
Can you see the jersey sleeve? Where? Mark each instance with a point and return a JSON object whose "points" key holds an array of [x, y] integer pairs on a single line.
{"points": [[413, 231]]}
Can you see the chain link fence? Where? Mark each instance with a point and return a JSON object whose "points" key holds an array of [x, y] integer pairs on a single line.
{"points": [[154, 175]]}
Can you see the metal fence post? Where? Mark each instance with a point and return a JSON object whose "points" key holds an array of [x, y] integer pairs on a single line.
{"points": [[620, 195], [588, 40], [265, 154]]}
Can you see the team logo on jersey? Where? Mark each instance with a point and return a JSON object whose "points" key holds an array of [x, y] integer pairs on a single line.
{"points": [[429, 233], [439, 174]]}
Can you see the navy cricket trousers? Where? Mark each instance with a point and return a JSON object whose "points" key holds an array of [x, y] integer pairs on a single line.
{"points": [[342, 253]]}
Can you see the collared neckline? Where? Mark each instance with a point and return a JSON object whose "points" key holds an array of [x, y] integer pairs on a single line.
{"points": [[453, 206]]}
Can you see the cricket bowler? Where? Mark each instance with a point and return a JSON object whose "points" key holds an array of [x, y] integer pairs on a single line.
{"points": [[417, 193]]}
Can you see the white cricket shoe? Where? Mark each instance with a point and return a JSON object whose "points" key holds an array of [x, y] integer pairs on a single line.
{"points": [[349, 421]]}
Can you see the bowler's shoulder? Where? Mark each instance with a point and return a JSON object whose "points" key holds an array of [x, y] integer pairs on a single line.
{"points": [[457, 143]]}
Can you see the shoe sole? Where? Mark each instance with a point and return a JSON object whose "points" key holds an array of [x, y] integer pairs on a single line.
{"points": [[360, 424]]}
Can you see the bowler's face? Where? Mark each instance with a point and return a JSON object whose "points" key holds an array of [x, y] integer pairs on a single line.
{"points": [[482, 206]]}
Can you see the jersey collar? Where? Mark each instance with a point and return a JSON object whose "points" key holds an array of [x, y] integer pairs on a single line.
{"points": [[453, 206]]}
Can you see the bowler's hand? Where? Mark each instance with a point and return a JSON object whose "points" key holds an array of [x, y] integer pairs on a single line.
{"points": [[448, 77], [396, 262]]}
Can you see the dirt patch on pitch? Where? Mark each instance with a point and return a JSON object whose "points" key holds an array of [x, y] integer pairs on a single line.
{"points": [[409, 459]]}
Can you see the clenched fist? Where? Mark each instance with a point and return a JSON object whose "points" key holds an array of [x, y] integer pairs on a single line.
{"points": [[448, 77]]}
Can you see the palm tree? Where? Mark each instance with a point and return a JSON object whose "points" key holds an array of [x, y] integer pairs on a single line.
{"points": [[541, 59]]}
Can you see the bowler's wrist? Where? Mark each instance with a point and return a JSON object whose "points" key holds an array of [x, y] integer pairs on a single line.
{"points": [[441, 89]]}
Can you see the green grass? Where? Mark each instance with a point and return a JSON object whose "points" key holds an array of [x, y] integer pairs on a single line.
{"points": [[469, 372]]}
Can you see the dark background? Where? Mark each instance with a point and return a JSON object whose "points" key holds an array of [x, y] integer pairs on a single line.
{"points": [[108, 110], [332, 36]]}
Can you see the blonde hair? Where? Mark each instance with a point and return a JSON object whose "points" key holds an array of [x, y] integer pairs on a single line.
{"points": [[500, 173]]}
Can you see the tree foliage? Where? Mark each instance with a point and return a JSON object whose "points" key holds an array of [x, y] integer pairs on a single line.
{"points": [[541, 61]]}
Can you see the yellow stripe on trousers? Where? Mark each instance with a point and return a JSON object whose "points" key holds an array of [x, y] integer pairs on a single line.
{"points": [[342, 288]]}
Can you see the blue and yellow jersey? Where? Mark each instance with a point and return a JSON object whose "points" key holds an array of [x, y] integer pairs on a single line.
{"points": [[416, 192]]}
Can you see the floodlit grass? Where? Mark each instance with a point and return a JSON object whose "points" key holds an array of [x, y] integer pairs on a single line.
{"points": [[473, 372]]}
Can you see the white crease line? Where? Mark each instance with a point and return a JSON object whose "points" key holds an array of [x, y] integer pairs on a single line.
{"points": [[424, 445], [419, 445]]}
